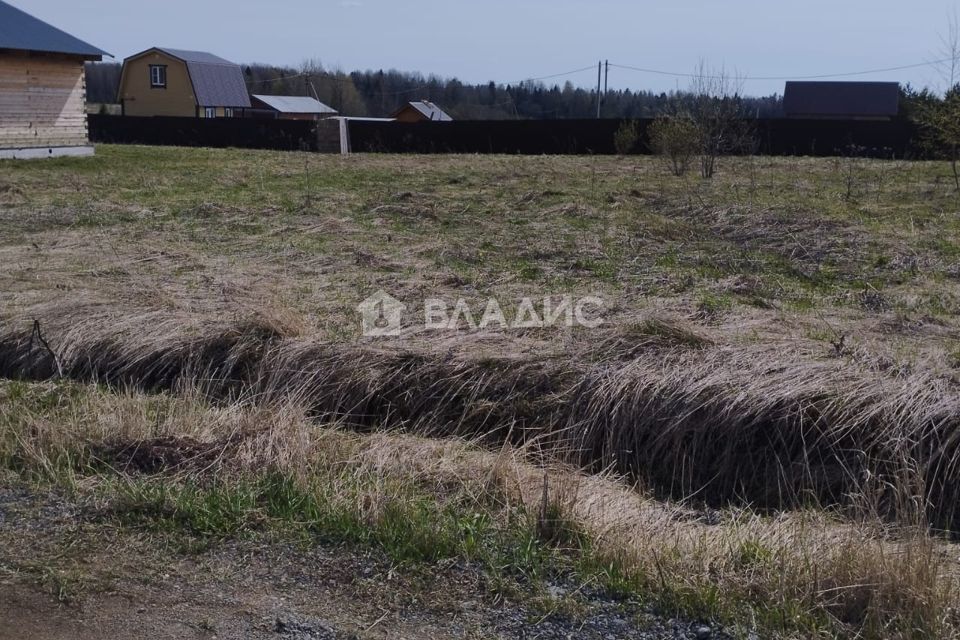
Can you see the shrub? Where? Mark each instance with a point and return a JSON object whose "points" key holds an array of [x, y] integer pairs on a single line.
{"points": [[675, 139], [626, 138], [940, 121]]}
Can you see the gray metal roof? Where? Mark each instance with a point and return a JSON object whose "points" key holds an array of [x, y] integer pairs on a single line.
{"points": [[200, 57], [430, 111], [295, 104], [216, 82], [842, 99], [21, 31]]}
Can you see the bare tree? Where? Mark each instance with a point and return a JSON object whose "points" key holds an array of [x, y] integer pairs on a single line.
{"points": [[715, 111], [333, 87], [949, 53], [942, 119]]}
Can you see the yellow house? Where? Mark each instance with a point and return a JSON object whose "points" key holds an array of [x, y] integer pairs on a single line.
{"points": [[174, 82], [42, 88]]}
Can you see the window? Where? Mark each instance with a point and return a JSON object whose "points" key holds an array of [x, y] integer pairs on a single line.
{"points": [[210, 112], [228, 112], [158, 76]]}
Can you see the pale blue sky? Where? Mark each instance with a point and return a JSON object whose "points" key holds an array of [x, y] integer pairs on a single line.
{"points": [[509, 40]]}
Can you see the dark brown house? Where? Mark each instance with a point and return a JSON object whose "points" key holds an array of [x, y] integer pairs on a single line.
{"points": [[422, 111], [842, 100]]}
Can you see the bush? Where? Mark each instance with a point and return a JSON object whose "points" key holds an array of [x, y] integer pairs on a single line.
{"points": [[675, 139], [626, 138]]}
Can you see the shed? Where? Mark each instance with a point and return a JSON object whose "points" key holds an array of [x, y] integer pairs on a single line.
{"points": [[421, 111], [293, 107], [42, 88], [842, 100], [175, 82]]}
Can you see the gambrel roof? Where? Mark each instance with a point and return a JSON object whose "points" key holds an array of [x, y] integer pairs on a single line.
{"points": [[216, 82]]}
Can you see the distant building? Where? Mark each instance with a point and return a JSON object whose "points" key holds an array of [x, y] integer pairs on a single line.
{"points": [[292, 107], [42, 88], [842, 100], [422, 111], [174, 82]]}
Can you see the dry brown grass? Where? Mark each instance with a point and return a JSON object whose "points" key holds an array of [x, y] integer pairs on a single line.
{"points": [[763, 425], [869, 578]]}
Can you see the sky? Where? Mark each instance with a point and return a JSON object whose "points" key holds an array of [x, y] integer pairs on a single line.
{"points": [[512, 40]]}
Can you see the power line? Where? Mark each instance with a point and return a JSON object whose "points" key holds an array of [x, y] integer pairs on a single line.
{"points": [[637, 69], [277, 79], [814, 77], [554, 75], [398, 93]]}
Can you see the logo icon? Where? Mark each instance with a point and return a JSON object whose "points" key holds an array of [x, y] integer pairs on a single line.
{"points": [[382, 315]]}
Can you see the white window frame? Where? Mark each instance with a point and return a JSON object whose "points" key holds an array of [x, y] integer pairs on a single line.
{"points": [[209, 112], [228, 112], [158, 76]]}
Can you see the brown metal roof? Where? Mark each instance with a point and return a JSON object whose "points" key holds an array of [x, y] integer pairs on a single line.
{"points": [[842, 99]]}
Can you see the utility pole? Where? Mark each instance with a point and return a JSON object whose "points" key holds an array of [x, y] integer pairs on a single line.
{"points": [[599, 73], [606, 79]]}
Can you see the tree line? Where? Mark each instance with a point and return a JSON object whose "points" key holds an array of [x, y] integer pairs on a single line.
{"points": [[380, 93]]}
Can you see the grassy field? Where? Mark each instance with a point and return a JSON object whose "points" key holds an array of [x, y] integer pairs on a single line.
{"points": [[806, 243], [767, 417]]}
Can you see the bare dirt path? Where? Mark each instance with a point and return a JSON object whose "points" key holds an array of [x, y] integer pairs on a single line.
{"points": [[65, 575]]}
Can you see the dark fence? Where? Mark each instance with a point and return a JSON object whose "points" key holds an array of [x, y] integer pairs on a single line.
{"points": [[895, 138], [487, 136], [898, 138], [287, 135]]}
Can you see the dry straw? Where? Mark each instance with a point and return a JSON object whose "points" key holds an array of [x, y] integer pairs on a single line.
{"points": [[754, 424]]}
